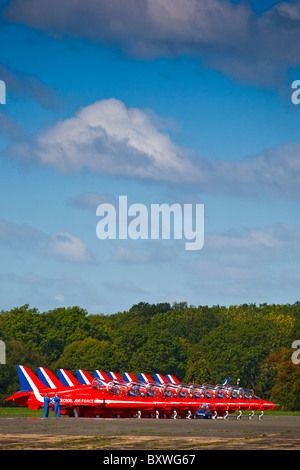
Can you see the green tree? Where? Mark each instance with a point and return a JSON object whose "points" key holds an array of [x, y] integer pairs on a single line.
{"points": [[286, 388], [162, 353], [61, 327], [87, 354], [244, 338], [197, 370], [22, 324]]}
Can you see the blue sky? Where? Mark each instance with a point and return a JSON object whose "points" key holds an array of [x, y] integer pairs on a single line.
{"points": [[207, 84]]}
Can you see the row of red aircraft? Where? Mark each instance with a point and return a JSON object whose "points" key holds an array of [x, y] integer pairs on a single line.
{"points": [[111, 395]]}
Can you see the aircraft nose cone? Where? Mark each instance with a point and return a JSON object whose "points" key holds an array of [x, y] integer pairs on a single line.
{"points": [[269, 405]]}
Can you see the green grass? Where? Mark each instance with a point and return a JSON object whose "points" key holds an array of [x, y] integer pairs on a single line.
{"points": [[20, 412], [282, 413], [27, 413]]}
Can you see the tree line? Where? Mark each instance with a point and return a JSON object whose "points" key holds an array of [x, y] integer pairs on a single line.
{"points": [[249, 342]]}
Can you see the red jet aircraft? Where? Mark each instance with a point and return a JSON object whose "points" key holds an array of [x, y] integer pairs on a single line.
{"points": [[110, 395]]}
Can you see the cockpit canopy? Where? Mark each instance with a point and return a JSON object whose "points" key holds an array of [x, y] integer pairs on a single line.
{"points": [[97, 384]]}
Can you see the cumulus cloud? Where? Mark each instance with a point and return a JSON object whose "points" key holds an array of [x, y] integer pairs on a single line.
{"points": [[252, 47], [108, 138], [66, 247]]}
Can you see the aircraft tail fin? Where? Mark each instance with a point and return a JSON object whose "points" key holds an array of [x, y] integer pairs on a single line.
{"points": [[28, 380], [129, 377], [161, 379], [67, 379], [84, 377], [226, 381], [30, 383], [172, 379], [102, 375], [145, 378], [49, 379], [115, 376]]}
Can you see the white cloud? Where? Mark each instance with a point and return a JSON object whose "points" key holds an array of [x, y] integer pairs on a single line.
{"points": [[66, 247], [145, 27], [108, 138], [252, 47], [59, 298]]}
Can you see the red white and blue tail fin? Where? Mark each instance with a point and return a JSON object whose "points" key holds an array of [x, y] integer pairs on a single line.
{"points": [[49, 379], [129, 377], [67, 379], [102, 375], [145, 378], [173, 380], [30, 382], [84, 377], [161, 379], [115, 376]]}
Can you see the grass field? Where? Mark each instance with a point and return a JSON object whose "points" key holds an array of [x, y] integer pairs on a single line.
{"points": [[26, 412]]}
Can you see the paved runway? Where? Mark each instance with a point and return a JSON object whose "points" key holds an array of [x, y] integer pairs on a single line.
{"points": [[272, 432]]}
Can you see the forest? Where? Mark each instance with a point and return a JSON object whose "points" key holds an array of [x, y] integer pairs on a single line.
{"points": [[249, 342]]}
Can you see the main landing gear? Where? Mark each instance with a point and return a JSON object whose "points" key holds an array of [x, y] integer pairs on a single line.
{"points": [[251, 415]]}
